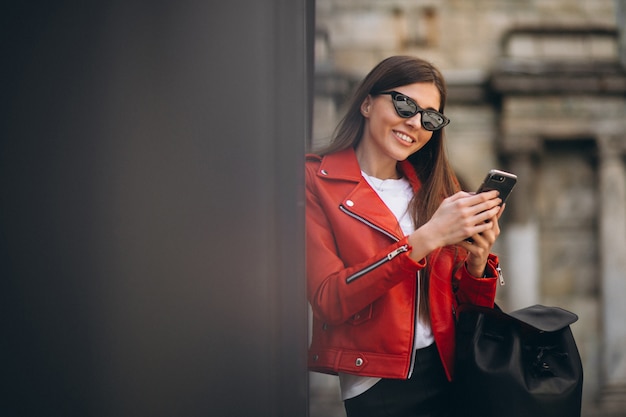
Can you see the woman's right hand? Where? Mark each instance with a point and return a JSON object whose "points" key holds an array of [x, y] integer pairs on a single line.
{"points": [[458, 217]]}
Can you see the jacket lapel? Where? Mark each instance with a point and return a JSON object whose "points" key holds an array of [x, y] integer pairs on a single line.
{"points": [[359, 198]]}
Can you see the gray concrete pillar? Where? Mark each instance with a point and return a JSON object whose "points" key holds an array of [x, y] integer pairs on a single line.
{"points": [[620, 17], [521, 234], [612, 224]]}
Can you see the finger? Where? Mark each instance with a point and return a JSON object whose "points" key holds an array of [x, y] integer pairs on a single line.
{"points": [[488, 238], [491, 235], [496, 220], [485, 205], [488, 216], [486, 196], [502, 207], [488, 233], [481, 236], [458, 195], [467, 245], [474, 249]]}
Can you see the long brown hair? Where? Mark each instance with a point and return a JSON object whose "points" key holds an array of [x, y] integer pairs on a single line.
{"points": [[430, 163]]}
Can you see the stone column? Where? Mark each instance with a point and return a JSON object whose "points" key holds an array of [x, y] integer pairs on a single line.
{"points": [[521, 233], [620, 17], [612, 224]]}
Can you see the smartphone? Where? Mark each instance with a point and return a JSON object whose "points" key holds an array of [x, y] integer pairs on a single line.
{"points": [[498, 180]]}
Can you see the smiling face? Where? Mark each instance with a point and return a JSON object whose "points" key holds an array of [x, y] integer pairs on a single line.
{"points": [[389, 138]]}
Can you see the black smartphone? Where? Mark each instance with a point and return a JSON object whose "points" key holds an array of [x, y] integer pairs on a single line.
{"points": [[498, 180]]}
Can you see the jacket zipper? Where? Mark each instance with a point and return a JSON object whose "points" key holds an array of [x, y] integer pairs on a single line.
{"points": [[415, 318], [387, 258], [367, 222], [382, 261]]}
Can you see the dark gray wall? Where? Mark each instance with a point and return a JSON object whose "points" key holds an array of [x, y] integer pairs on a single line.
{"points": [[151, 207]]}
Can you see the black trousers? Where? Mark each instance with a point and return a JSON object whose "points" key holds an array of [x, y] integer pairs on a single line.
{"points": [[426, 394]]}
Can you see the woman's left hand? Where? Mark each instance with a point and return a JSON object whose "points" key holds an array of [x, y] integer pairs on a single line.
{"points": [[479, 247]]}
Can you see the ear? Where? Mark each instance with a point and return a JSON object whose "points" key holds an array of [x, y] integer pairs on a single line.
{"points": [[365, 106]]}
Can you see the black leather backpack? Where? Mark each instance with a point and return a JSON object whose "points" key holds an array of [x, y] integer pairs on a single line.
{"points": [[520, 364]]}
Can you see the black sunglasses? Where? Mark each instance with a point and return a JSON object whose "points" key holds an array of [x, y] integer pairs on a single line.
{"points": [[406, 107]]}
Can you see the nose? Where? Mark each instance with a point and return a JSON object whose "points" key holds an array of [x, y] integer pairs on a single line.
{"points": [[415, 121]]}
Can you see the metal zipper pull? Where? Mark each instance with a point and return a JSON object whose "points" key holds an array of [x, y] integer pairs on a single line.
{"points": [[398, 251], [500, 276]]}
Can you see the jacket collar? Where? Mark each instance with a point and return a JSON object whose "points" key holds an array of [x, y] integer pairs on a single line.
{"points": [[341, 165], [344, 165]]}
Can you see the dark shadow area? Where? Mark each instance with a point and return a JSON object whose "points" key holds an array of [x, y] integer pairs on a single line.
{"points": [[151, 209]]}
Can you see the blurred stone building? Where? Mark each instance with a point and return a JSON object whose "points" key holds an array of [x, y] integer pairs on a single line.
{"points": [[536, 87]]}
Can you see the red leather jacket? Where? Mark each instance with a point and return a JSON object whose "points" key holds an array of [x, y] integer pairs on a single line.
{"points": [[362, 284]]}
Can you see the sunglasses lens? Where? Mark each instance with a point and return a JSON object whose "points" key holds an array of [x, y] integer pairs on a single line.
{"points": [[405, 106], [432, 120]]}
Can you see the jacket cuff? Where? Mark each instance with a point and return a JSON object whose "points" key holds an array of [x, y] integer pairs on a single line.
{"points": [[408, 262], [491, 269]]}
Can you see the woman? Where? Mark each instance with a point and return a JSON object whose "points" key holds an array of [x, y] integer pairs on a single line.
{"points": [[393, 246]]}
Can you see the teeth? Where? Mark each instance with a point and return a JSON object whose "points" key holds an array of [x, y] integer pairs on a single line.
{"points": [[404, 137]]}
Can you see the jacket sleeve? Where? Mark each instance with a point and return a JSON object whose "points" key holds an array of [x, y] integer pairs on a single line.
{"points": [[479, 291], [337, 291]]}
